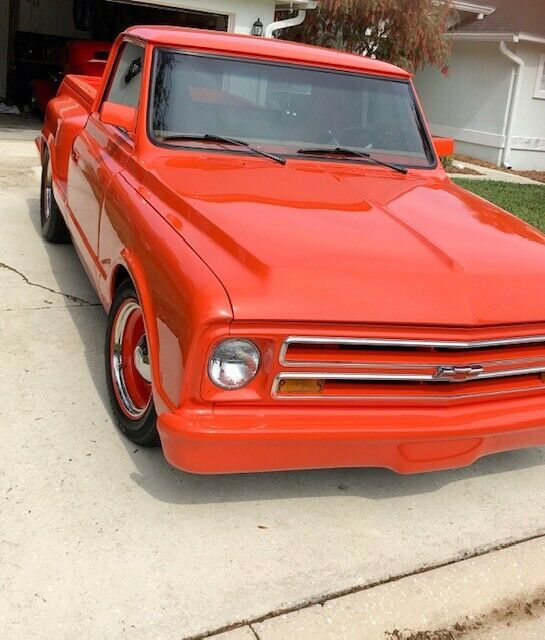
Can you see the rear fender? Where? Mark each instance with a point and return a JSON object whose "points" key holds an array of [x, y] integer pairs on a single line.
{"points": [[65, 118]]}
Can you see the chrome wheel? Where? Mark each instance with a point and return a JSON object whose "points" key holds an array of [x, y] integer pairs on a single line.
{"points": [[48, 194], [129, 360]]}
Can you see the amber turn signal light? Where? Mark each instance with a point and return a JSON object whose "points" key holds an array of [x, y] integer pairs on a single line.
{"points": [[300, 385]]}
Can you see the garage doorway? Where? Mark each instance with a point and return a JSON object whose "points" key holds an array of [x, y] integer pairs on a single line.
{"points": [[38, 33], [107, 18]]}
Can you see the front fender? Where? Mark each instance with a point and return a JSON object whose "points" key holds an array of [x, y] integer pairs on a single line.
{"points": [[182, 300]]}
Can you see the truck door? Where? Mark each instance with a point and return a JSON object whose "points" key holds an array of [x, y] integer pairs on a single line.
{"points": [[99, 152]]}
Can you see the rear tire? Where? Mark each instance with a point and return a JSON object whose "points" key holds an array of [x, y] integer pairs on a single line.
{"points": [[128, 372], [52, 223]]}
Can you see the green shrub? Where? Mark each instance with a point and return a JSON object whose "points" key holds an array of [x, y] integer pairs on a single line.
{"points": [[447, 161]]}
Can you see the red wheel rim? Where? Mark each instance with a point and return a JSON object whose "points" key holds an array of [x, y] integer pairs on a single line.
{"points": [[129, 360]]}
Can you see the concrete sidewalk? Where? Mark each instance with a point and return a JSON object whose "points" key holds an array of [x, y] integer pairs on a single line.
{"points": [[499, 595], [486, 173], [101, 539]]}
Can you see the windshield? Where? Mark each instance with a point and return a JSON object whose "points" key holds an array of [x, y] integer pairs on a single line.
{"points": [[282, 108]]}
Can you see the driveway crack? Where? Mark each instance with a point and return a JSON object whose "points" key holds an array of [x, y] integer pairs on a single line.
{"points": [[80, 301], [254, 632]]}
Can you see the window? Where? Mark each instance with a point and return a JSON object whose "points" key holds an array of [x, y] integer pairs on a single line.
{"points": [[127, 79], [286, 107], [540, 80]]}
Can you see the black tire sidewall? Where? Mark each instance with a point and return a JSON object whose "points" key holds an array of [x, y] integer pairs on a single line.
{"points": [[54, 229], [44, 224], [142, 431]]}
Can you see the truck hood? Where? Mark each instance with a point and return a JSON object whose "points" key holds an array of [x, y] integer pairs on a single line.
{"points": [[346, 243]]}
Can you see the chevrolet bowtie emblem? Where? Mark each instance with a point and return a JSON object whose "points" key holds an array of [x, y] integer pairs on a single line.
{"points": [[457, 374]]}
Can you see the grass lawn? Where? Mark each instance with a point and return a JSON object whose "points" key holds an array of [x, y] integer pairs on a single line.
{"points": [[527, 201]]}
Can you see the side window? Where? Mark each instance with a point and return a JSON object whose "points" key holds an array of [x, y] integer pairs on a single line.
{"points": [[127, 78]]}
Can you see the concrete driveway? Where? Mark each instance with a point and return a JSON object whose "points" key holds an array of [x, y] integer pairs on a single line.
{"points": [[102, 539]]}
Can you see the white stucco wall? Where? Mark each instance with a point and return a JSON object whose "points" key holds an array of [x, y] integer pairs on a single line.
{"points": [[242, 14], [470, 103], [528, 135]]}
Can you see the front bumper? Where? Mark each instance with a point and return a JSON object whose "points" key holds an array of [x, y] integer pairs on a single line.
{"points": [[230, 440]]}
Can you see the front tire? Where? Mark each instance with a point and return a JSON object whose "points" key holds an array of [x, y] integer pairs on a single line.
{"points": [[53, 226], [128, 371]]}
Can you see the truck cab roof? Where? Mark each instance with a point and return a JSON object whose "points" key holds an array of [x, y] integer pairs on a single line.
{"points": [[264, 48]]}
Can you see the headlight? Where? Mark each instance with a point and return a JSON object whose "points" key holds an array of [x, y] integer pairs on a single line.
{"points": [[234, 364]]}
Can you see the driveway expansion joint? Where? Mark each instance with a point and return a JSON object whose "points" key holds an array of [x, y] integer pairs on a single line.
{"points": [[80, 301], [321, 600]]}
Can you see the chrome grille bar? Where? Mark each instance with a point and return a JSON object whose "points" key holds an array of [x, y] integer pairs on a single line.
{"points": [[394, 343], [402, 377], [412, 368]]}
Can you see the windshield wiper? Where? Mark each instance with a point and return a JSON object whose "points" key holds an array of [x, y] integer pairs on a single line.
{"points": [[345, 151], [223, 139]]}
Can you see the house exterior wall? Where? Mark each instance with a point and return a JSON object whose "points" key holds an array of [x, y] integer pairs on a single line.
{"points": [[470, 104], [528, 134]]}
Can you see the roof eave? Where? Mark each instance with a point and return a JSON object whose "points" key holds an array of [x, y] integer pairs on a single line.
{"points": [[473, 7], [481, 36], [495, 36], [296, 4], [530, 37]]}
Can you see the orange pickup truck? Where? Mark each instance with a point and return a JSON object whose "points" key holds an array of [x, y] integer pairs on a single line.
{"points": [[291, 278]]}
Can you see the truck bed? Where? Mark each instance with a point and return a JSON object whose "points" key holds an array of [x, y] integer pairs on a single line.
{"points": [[65, 117], [82, 88]]}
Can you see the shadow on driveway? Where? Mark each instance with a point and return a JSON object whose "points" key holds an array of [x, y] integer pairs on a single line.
{"points": [[156, 477]]}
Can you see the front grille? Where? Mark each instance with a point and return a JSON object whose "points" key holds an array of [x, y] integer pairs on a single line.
{"points": [[377, 370]]}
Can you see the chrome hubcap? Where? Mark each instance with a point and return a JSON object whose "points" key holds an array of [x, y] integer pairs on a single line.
{"points": [[130, 364], [141, 360]]}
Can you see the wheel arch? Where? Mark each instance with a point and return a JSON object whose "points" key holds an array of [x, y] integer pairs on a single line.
{"points": [[65, 118], [120, 275], [42, 145], [182, 299], [132, 271]]}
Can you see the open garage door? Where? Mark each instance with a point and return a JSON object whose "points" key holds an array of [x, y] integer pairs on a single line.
{"points": [[34, 37], [106, 18]]}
